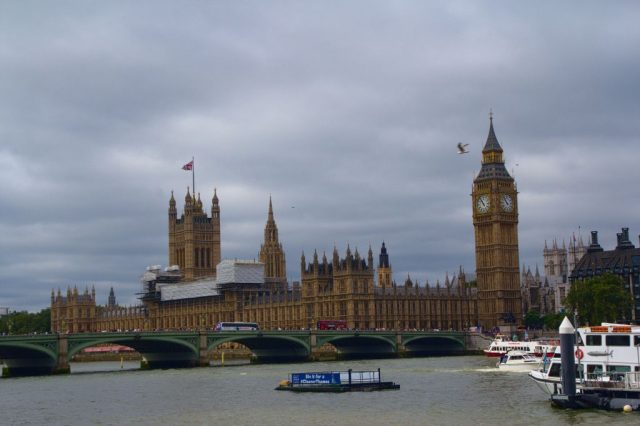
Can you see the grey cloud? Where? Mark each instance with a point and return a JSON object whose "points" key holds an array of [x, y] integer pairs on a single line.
{"points": [[349, 113]]}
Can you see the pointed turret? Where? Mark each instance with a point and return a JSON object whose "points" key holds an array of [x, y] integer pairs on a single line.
{"points": [[111, 301], [492, 161], [384, 257], [492, 141], [214, 200], [271, 251], [270, 218]]}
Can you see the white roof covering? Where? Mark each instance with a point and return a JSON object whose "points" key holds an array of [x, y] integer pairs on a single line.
{"points": [[240, 271], [228, 272], [188, 290]]}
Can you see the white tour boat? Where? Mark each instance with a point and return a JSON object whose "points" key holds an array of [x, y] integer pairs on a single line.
{"points": [[500, 346], [603, 353], [518, 361]]}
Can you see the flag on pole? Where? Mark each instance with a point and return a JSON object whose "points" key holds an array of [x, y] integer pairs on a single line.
{"points": [[188, 166]]}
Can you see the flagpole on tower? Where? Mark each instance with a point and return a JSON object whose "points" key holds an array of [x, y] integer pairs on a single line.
{"points": [[193, 175]]}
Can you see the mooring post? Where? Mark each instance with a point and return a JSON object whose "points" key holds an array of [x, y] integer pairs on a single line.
{"points": [[567, 342]]}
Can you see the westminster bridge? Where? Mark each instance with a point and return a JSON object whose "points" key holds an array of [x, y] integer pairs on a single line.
{"points": [[50, 354]]}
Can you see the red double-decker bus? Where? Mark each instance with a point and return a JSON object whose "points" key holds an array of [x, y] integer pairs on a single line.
{"points": [[332, 325]]}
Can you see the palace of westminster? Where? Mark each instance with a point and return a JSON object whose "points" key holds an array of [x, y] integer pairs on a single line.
{"points": [[199, 289]]}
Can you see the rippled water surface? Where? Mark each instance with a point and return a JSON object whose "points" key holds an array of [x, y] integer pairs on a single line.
{"points": [[434, 391]]}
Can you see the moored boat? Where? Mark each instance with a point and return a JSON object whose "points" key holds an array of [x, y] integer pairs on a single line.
{"points": [[518, 361], [336, 381], [603, 352], [500, 346]]}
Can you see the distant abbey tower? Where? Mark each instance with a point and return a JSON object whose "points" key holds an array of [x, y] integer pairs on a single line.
{"points": [[271, 252], [194, 238], [495, 222]]}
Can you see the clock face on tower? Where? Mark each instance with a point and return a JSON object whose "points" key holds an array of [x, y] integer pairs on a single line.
{"points": [[506, 202], [482, 204]]}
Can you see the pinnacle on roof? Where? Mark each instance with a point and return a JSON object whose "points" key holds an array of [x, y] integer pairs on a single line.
{"points": [[270, 209], [215, 197], [492, 141]]}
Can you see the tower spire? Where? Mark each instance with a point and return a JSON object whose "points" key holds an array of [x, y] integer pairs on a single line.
{"points": [[492, 141]]}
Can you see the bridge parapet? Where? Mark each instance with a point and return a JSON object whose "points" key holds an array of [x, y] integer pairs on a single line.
{"points": [[47, 354]]}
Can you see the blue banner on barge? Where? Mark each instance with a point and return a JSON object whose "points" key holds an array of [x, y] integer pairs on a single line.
{"points": [[315, 378]]}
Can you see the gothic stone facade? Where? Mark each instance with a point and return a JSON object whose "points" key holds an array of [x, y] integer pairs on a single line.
{"points": [[194, 237], [343, 288], [495, 222]]}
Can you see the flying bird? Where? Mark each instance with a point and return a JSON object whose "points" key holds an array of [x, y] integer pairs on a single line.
{"points": [[461, 148]]}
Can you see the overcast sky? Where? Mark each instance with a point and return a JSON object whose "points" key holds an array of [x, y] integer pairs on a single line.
{"points": [[346, 113]]}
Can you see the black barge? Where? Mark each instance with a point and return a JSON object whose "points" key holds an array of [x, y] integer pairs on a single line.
{"points": [[336, 381], [613, 391]]}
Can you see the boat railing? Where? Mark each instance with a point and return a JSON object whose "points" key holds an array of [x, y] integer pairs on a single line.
{"points": [[627, 380], [365, 377]]}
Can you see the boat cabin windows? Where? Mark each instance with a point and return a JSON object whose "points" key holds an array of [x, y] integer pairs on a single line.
{"points": [[618, 368], [554, 370], [594, 370], [636, 340], [594, 340], [618, 340]]}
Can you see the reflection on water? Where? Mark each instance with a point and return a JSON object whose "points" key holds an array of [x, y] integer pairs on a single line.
{"points": [[434, 391]]}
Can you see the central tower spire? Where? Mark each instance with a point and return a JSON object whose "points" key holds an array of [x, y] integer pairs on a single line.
{"points": [[271, 252]]}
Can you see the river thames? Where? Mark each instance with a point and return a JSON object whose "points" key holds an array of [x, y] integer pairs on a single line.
{"points": [[465, 390]]}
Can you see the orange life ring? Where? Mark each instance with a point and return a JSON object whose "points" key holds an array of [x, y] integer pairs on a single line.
{"points": [[579, 353]]}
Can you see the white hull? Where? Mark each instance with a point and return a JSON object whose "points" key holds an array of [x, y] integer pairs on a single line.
{"points": [[520, 368], [547, 385]]}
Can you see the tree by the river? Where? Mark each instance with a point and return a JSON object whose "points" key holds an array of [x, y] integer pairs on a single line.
{"points": [[600, 299], [26, 323]]}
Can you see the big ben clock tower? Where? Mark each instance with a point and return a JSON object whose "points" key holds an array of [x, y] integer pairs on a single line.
{"points": [[495, 223]]}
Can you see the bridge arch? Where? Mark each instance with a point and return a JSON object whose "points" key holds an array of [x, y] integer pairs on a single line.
{"points": [[158, 350], [434, 345], [29, 357], [356, 345], [267, 347]]}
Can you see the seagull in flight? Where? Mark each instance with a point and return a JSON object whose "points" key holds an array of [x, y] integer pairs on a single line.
{"points": [[462, 148]]}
